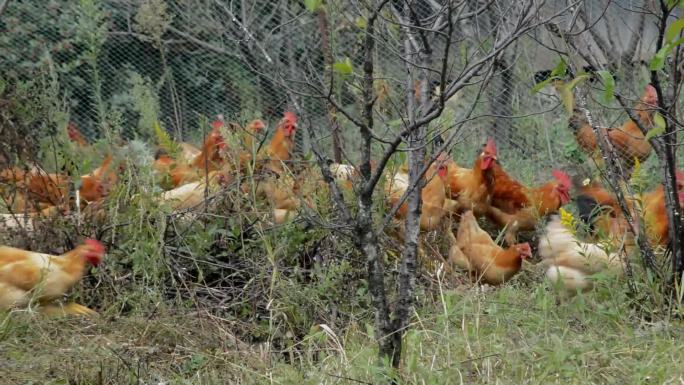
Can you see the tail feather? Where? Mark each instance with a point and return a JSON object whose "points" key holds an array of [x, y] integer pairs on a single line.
{"points": [[570, 279], [588, 209]]}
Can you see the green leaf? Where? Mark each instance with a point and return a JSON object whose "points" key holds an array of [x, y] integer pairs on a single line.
{"points": [[609, 83], [165, 141], [361, 22], [558, 71], [344, 67], [312, 5], [658, 126], [538, 87], [565, 92], [674, 30], [658, 60]]}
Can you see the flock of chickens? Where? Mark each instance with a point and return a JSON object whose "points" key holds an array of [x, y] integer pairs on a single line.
{"points": [[230, 152]]}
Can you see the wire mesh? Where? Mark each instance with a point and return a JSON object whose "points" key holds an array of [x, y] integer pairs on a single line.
{"points": [[119, 65]]}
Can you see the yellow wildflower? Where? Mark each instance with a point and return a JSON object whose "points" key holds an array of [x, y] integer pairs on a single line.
{"points": [[567, 220]]}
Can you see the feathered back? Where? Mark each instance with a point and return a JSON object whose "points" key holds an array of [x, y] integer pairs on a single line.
{"points": [[560, 247]]}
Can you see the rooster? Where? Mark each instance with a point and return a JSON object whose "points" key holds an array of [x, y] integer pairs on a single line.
{"points": [[628, 140], [539, 202], [472, 189], [26, 275], [571, 262], [282, 143], [472, 249]]}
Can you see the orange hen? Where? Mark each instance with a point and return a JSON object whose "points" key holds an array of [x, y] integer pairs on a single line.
{"points": [[433, 194], [27, 275], [628, 140], [475, 251]]}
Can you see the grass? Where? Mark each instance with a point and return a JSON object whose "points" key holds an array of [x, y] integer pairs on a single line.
{"points": [[516, 334]]}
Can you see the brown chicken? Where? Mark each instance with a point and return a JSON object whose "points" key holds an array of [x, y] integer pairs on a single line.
{"points": [[508, 194], [27, 275], [472, 189], [209, 159], [242, 153], [36, 190], [541, 201], [474, 250], [282, 143], [76, 136], [599, 209], [628, 140], [433, 194]]}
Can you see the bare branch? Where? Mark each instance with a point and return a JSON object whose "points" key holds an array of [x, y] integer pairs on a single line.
{"points": [[3, 6]]}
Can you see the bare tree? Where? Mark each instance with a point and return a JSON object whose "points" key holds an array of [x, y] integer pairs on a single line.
{"points": [[429, 36]]}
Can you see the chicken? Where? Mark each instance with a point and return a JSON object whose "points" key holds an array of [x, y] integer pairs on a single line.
{"points": [[654, 210], [192, 194], [243, 148], [281, 192], [572, 263], [599, 209], [76, 136], [542, 201], [209, 159], [344, 174], [628, 140], [433, 194], [189, 152], [475, 251], [281, 144], [472, 188], [27, 276], [99, 182], [36, 189], [508, 194]]}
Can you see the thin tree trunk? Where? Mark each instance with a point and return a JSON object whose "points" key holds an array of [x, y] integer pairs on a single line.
{"points": [[327, 68], [367, 239]]}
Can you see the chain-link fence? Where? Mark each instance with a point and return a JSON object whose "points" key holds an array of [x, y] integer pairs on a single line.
{"points": [[116, 66]]}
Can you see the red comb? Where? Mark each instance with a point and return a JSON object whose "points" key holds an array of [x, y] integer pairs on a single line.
{"points": [[216, 124], [290, 116], [525, 248], [679, 175], [491, 146], [561, 177], [650, 95], [95, 244]]}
